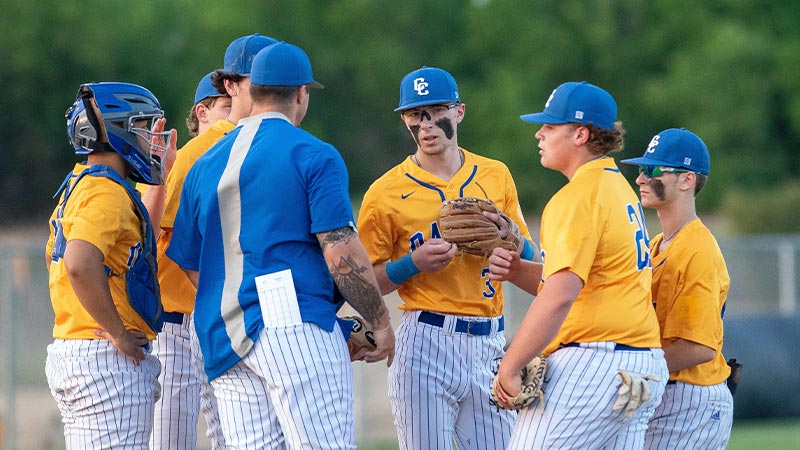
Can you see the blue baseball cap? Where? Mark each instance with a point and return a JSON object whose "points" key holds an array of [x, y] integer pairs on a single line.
{"points": [[675, 147], [240, 53], [427, 86], [205, 89], [582, 103], [283, 64]]}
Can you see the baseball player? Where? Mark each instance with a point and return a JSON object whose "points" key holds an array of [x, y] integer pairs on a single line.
{"points": [[185, 387], [209, 107], [265, 231], [101, 260], [451, 335], [690, 285], [592, 316]]}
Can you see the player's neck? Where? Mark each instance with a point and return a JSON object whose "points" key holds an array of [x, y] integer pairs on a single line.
{"points": [[444, 165], [111, 159], [674, 217]]}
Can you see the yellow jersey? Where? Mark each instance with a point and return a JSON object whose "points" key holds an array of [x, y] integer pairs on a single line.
{"points": [[594, 227], [99, 211], [690, 286], [177, 291], [400, 211]]}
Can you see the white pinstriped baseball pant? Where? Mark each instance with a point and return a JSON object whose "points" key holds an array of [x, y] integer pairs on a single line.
{"points": [[691, 418], [293, 390], [185, 391], [106, 401], [439, 386], [580, 388]]}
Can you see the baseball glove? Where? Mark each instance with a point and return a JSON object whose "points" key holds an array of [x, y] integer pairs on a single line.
{"points": [[361, 336], [632, 392], [532, 379], [461, 222]]}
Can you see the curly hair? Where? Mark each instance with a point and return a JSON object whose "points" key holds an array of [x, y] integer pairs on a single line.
{"points": [[603, 141]]}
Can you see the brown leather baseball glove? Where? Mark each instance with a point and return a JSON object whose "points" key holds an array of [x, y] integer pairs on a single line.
{"points": [[532, 378], [461, 222]]}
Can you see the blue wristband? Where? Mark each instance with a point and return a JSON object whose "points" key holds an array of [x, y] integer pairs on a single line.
{"points": [[527, 251], [401, 270]]}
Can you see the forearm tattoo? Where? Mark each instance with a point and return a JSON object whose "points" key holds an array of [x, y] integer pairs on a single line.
{"points": [[348, 274]]}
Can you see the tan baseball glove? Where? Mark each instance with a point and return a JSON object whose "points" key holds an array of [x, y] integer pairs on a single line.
{"points": [[632, 392], [461, 222], [361, 336], [532, 379]]}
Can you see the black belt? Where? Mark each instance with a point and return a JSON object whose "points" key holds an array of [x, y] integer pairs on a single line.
{"points": [[617, 347], [672, 382], [476, 328], [173, 317]]}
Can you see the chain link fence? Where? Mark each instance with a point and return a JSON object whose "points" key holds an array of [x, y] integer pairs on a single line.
{"points": [[764, 282]]}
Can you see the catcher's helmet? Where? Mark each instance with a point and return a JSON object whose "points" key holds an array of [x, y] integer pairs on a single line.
{"points": [[427, 86], [119, 117]]}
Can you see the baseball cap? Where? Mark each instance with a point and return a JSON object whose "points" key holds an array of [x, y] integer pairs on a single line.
{"points": [[675, 147], [427, 86], [579, 102], [240, 53], [205, 89], [283, 64]]}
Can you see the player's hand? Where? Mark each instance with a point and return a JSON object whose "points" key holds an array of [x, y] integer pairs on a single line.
{"points": [[384, 343], [501, 223], [158, 145], [129, 343], [434, 255], [504, 265], [510, 380]]}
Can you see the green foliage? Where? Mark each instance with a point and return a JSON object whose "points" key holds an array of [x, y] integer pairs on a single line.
{"points": [[725, 69], [772, 210]]}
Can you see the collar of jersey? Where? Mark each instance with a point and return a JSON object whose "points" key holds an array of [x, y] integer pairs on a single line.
{"points": [[262, 116], [606, 162]]}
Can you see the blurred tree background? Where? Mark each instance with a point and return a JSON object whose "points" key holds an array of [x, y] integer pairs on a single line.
{"points": [[726, 69]]}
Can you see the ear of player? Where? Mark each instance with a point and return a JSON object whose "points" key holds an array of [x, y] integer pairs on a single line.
{"points": [[462, 222]]}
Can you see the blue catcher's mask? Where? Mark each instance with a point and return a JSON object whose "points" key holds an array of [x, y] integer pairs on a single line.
{"points": [[120, 117]]}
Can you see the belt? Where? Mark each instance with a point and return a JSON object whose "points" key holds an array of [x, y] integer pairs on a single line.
{"points": [[472, 327], [173, 317], [617, 347], [672, 382]]}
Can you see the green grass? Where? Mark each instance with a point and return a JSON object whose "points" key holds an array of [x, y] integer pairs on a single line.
{"points": [[781, 434]]}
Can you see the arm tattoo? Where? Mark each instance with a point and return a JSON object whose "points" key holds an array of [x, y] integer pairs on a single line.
{"points": [[342, 235], [347, 273]]}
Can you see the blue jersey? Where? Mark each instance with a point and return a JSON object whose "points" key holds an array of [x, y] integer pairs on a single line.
{"points": [[252, 206]]}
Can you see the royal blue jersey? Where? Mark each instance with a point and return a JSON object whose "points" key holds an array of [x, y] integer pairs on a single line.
{"points": [[251, 206]]}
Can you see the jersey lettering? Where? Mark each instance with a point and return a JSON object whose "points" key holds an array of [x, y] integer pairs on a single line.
{"points": [[490, 290], [417, 239], [636, 217]]}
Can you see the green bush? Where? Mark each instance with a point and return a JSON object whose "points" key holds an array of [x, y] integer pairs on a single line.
{"points": [[765, 211]]}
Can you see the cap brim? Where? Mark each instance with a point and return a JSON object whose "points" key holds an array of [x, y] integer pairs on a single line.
{"points": [[542, 118], [316, 85], [438, 101], [645, 161]]}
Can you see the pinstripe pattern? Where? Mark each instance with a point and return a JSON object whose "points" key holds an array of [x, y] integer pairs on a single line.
{"points": [[272, 399], [692, 417], [579, 390], [208, 401], [106, 401], [230, 215], [175, 420], [439, 387]]}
